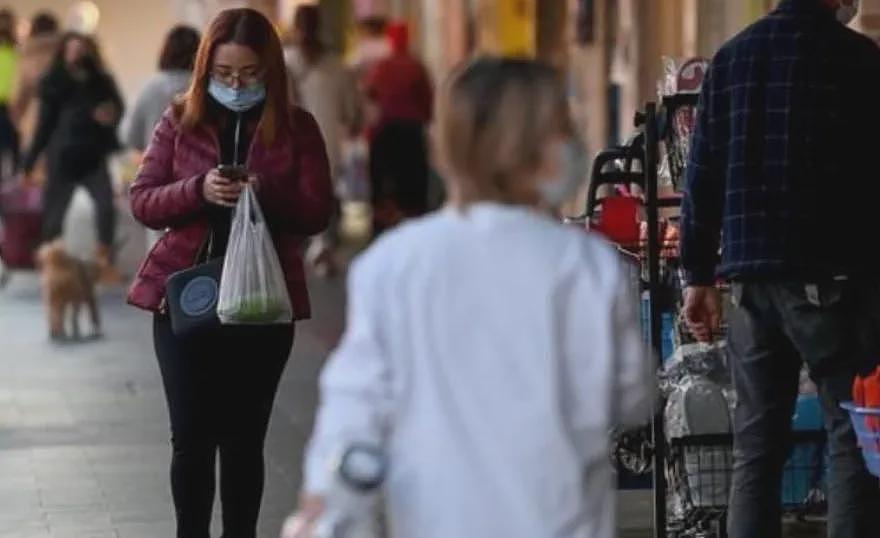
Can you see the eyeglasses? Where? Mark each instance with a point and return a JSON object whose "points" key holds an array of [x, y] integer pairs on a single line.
{"points": [[245, 77]]}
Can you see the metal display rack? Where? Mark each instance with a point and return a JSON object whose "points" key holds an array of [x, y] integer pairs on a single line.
{"points": [[680, 464]]}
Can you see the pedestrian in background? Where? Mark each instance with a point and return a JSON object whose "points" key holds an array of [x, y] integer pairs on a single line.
{"points": [[788, 112], [326, 89], [9, 140], [496, 428], [176, 62], [36, 55], [371, 45], [80, 109], [400, 89], [220, 383]]}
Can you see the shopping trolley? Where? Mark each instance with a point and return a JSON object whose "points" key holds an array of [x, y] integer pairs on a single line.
{"points": [[691, 474]]}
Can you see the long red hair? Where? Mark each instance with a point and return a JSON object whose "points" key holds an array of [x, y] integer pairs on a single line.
{"points": [[249, 28]]}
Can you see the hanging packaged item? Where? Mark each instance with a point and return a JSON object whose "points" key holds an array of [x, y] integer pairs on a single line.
{"points": [[677, 89], [697, 407], [698, 359], [252, 288]]}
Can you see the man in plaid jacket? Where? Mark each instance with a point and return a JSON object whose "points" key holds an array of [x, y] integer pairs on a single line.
{"points": [[782, 180]]}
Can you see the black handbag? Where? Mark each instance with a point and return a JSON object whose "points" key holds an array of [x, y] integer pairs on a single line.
{"points": [[191, 295]]}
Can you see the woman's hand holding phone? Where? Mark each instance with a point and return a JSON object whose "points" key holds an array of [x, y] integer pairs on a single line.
{"points": [[220, 190]]}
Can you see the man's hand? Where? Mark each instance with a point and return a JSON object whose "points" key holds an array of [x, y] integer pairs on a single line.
{"points": [[302, 524], [702, 311]]}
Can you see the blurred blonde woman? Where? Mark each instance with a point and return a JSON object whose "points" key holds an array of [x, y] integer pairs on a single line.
{"points": [[489, 349]]}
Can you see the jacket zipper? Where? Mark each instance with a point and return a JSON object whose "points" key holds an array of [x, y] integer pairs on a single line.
{"points": [[163, 304]]}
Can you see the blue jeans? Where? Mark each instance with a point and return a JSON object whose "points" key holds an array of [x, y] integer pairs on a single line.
{"points": [[774, 329]]}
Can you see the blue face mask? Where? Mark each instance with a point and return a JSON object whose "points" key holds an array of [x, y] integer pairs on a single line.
{"points": [[237, 99]]}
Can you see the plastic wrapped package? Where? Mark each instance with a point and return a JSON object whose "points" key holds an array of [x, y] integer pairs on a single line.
{"points": [[699, 399], [698, 406], [252, 289], [698, 359], [680, 77]]}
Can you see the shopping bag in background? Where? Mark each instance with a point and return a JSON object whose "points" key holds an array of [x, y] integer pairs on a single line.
{"points": [[252, 288], [20, 223]]}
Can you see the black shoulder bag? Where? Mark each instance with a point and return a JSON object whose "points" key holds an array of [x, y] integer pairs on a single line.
{"points": [[191, 295]]}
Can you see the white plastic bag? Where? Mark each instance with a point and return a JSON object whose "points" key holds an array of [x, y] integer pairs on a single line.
{"points": [[252, 287]]}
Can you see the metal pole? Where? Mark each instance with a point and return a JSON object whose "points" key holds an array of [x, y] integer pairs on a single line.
{"points": [[655, 318]]}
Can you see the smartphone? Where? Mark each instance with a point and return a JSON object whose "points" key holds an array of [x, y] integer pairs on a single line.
{"points": [[233, 172]]}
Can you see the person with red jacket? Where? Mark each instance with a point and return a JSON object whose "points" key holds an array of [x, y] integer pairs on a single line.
{"points": [[220, 383], [401, 92]]}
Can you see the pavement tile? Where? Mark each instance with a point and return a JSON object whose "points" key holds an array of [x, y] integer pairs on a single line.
{"points": [[155, 514], [34, 532], [71, 498], [22, 522], [80, 520], [146, 530], [23, 500], [66, 533]]}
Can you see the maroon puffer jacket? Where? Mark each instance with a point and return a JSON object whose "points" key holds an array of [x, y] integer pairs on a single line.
{"points": [[294, 190]]}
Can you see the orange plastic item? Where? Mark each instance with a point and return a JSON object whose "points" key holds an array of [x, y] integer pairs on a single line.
{"points": [[866, 393], [619, 220]]}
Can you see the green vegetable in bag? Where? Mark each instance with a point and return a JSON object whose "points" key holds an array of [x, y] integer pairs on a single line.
{"points": [[256, 309]]}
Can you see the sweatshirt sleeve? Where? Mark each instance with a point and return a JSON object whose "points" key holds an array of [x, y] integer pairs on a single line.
{"points": [[607, 370], [633, 373], [355, 384]]}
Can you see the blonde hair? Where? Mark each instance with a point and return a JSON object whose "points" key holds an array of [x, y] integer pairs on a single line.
{"points": [[494, 117]]}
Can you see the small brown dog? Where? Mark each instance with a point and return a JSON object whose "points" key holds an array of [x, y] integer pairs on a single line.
{"points": [[67, 283]]}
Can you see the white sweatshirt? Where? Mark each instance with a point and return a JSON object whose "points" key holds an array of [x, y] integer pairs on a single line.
{"points": [[490, 352]]}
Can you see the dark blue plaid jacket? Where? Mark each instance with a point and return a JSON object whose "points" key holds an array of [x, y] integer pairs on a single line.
{"points": [[783, 171]]}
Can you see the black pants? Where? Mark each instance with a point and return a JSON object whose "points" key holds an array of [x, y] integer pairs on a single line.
{"points": [[59, 191], [774, 329], [220, 388], [399, 171]]}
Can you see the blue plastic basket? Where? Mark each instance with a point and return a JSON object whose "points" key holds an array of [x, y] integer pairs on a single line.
{"points": [[868, 434]]}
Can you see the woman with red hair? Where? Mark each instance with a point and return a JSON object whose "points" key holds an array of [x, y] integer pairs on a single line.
{"points": [[220, 382]]}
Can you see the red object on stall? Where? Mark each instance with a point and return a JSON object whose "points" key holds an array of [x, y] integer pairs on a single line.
{"points": [[866, 393], [619, 220]]}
